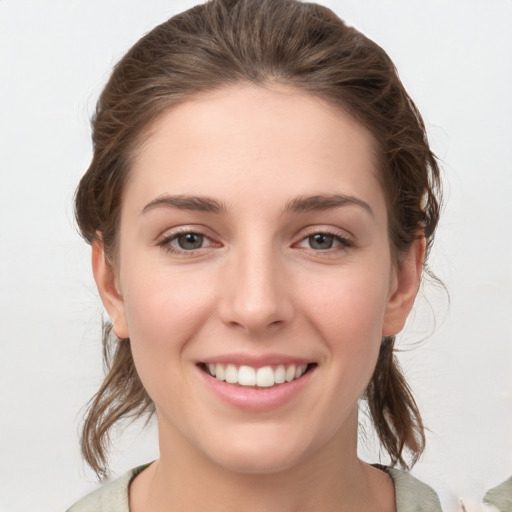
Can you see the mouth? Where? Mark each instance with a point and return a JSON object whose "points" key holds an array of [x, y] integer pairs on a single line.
{"points": [[263, 377]]}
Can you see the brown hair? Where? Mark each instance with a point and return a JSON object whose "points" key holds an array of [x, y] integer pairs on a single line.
{"points": [[228, 41]]}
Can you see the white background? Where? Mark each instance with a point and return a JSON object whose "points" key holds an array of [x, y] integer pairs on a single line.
{"points": [[454, 57]]}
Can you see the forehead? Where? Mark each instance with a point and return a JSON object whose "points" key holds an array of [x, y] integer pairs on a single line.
{"points": [[244, 137]]}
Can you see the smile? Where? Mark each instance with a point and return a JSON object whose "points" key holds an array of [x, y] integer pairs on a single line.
{"points": [[264, 377], [256, 385]]}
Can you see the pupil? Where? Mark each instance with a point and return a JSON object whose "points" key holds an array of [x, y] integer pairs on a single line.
{"points": [[321, 241], [190, 241]]}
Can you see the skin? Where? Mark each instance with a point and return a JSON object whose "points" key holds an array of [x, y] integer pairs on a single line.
{"points": [[257, 285]]}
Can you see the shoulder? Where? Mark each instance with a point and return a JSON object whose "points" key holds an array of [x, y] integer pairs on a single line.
{"points": [[112, 497], [500, 496], [412, 495]]}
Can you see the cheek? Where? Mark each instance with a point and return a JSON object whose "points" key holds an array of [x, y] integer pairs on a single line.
{"points": [[349, 306], [164, 311], [347, 313], [156, 305]]}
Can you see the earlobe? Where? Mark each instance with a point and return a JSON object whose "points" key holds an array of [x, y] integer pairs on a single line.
{"points": [[112, 299], [406, 283]]}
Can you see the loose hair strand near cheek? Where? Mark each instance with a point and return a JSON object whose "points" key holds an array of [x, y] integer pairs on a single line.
{"points": [[120, 397], [393, 410]]}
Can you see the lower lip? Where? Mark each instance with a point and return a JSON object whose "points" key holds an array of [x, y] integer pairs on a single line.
{"points": [[257, 399]]}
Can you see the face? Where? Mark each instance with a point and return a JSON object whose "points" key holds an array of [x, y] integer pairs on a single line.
{"points": [[254, 276]]}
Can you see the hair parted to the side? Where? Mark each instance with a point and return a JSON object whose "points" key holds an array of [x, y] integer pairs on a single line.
{"points": [[224, 42]]}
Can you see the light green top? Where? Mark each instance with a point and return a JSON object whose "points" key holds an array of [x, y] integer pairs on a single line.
{"points": [[500, 497], [411, 494]]}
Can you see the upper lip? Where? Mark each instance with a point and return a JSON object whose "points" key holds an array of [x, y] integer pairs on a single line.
{"points": [[255, 361]]}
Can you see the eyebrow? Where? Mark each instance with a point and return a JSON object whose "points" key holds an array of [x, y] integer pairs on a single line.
{"points": [[300, 204], [182, 202], [324, 202]]}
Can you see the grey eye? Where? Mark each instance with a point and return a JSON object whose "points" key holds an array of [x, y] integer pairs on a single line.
{"points": [[321, 241], [190, 241]]}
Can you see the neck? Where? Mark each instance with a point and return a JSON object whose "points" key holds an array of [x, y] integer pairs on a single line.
{"points": [[333, 479]]}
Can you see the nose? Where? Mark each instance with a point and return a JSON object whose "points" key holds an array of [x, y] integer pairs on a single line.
{"points": [[255, 294]]}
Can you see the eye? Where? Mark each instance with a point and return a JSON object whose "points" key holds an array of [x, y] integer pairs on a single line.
{"points": [[321, 241], [324, 242], [189, 241], [185, 242]]}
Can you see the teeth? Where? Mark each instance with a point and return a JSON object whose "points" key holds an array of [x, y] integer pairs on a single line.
{"points": [[264, 377], [299, 371], [219, 372], [290, 373], [280, 374], [247, 376], [231, 374]]}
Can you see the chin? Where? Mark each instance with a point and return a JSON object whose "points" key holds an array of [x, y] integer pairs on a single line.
{"points": [[258, 455]]}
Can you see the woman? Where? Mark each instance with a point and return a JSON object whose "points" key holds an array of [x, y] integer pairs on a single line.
{"points": [[260, 205]]}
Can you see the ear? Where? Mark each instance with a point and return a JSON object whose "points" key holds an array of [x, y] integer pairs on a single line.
{"points": [[106, 281], [404, 288]]}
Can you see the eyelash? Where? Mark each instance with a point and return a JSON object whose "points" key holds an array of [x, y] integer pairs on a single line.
{"points": [[166, 242], [344, 242]]}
